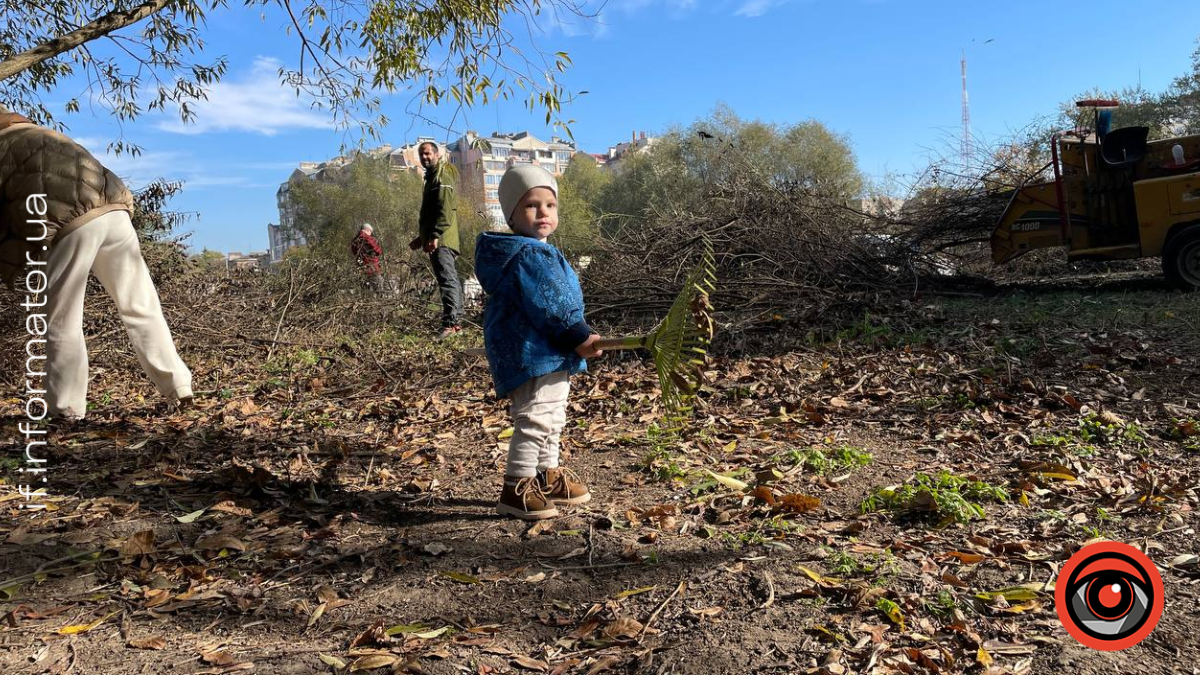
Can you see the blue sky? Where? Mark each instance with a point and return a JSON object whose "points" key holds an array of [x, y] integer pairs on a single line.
{"points": [[883, 72]]}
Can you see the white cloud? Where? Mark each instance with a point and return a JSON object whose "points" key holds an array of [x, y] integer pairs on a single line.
{"points": [[255, 103], [270, 166], [634, 5], [572, 25], [94, 144], [603, 22], [753, 8], [140, 170], [744, 8]]}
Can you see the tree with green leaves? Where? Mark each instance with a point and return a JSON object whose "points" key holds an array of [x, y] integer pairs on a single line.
{"points": [[1139, 107], [687, 168], [579, 192], [808, 154], [210, 259], [140, 55], [150, 216], [330, 212], [1184, 94], [1169, 113]]}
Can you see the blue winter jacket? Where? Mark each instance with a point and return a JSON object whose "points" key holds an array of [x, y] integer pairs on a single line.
{"points": [[533, 320]]}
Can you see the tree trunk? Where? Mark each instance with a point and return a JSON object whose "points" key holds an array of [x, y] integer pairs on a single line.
{"points": [[96, 29]]}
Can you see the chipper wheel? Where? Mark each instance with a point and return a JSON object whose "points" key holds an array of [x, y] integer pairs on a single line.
{"points": [[1181, 258]]}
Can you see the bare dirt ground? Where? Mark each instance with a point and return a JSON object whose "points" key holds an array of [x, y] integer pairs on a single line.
{"points": [[328, 506]]}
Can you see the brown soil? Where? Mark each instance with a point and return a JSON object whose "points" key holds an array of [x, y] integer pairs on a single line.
{"points": [[346, 491]]}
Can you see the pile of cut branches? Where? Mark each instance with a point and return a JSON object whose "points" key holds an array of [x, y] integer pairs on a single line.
{"points": [[782, 252]]}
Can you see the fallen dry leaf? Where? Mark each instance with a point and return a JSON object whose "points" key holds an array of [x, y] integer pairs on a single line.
{"points": [[218, 658], [623, 628], [85, 627], [141, 543], [731, 483], [604, 665], [798, 503], [527, 663], [332, 661], [148, 643], [218, 542], [436, 549], [372, 662]]}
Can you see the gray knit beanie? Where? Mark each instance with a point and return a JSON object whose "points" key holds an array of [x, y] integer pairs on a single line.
{"points": [[521, 179]]}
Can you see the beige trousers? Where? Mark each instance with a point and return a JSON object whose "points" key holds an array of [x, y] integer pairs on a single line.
{"points": [[107, 246], [539, 413]]}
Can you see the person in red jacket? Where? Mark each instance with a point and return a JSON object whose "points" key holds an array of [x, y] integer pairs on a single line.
{"points": [[367, 251]]}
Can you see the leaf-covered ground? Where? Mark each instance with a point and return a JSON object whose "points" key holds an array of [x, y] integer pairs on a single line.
{"points": [[888, 496]]}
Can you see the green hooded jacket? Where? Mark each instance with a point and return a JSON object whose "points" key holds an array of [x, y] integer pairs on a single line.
{"points": [[439, 206]]}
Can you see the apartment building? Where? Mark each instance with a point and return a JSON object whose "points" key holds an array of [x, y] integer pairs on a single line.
{"points": [[408, 157], [255, 260], [482, 161], [637, 144], [285, 235]]}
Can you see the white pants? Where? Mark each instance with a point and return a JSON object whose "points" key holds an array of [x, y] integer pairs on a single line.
{"points": [[107, 246], [539, 413]]}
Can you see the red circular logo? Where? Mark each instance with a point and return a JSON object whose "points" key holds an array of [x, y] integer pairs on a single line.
{"points": [[1109, 596]]}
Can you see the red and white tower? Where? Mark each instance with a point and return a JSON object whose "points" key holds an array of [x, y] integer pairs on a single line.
{"points": [[966, 115]]}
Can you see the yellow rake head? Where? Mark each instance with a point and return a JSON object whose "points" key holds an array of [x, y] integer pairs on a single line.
{"points": [[680, 342]]}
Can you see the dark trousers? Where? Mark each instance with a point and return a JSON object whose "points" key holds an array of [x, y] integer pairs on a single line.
{"points": [[444, 271], [373, 282]]}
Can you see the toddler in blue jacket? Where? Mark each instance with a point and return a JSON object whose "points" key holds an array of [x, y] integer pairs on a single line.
{"points": [[536, 338]]}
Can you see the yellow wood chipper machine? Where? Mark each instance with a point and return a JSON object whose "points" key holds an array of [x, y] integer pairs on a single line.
{"points": [[1115, 196]]}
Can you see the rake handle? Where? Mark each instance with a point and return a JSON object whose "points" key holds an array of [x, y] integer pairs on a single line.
{"points": [[632, 342], [611, 344]]}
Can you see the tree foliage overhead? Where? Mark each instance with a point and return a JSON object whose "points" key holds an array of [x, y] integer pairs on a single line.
{"points": [[140, 55], [150, 215]]}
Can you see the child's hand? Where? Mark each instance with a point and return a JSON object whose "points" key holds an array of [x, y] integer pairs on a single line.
{"points": [[588, 349]]}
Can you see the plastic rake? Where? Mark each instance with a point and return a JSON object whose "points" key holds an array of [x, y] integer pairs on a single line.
{"points": [[679, 344]]}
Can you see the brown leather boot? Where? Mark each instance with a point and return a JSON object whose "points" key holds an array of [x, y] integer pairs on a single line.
{"points": [[523, 498], [562, 486]]}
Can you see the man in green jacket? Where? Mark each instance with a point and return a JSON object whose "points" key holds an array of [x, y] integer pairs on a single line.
{"points": [[439, 232]]}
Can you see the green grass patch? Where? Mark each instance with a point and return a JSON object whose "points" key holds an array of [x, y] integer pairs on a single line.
{"points": [[661, 464], [828, 460], [842, 564], [296, 361], [1095, 429], [9, 466], [1188, 432], [942, 606], [945, 497]]}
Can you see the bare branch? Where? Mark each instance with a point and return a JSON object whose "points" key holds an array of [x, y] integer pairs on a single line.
{"points": [[98, 28]]}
